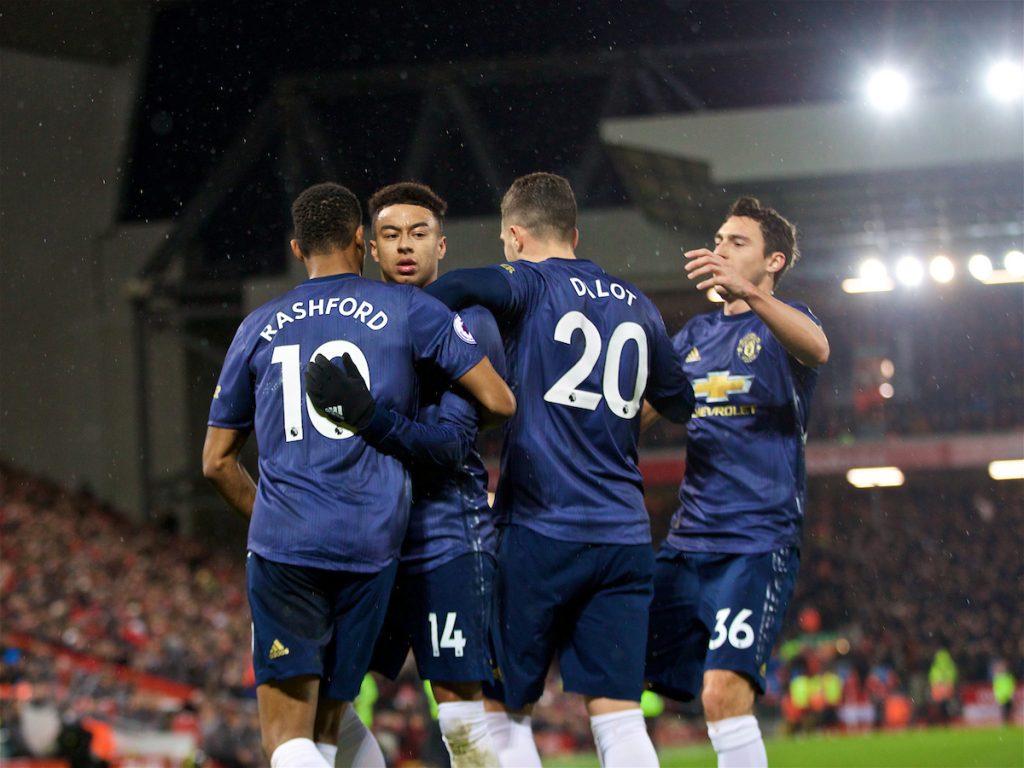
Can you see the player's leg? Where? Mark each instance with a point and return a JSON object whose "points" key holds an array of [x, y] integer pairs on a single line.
{"points": [[604, 658], [291, 627], [360, 606], [447, 614], [531, 583], [747, 599]]}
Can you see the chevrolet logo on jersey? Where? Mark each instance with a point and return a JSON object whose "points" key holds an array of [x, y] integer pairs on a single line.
{"points": [[718, 385]]}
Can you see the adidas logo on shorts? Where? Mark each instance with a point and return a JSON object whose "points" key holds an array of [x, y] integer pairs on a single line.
{"points": [[277, 650]]}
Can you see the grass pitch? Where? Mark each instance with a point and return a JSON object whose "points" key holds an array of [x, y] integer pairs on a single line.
{"points": [[934, 748]]}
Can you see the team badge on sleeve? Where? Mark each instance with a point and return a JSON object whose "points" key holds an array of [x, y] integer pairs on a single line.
{"points": [[462, 331]]}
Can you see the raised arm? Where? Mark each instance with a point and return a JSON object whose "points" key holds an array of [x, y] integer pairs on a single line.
{"points": [[462, 288]]}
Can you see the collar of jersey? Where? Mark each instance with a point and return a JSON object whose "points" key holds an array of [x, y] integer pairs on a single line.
{"points": [[328, 278]]}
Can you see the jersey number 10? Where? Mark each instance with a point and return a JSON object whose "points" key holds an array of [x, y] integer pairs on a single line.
{"points": [[288, 357], [566, 390]]}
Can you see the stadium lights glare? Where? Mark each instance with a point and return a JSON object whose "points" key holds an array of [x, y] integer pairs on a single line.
{"points": [[887, 368], [941, 269], [1009, 469], [886, 390], [888, 90], [980, 267], [1014, 263], [875, 477], [909, 271], [872, 278], [1005, 80]]}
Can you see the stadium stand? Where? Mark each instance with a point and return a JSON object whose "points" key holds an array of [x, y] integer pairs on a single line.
{"points": [[139, 637]]}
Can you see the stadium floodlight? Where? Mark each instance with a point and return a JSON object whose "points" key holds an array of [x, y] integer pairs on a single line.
{"points": [[942, 269], [886, 390], [872, 278], [1014, 263], [1009, 469], [910, 271], [1005, 80], [875, 477], [886, 368], [980, 267], [888, 89]]}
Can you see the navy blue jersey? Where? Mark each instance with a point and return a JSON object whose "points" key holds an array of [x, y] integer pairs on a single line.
{"points": [[745, 480], [325, 498], [450, 516], [583, 350]]}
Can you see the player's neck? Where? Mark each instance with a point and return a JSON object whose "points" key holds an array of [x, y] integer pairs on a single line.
{"points": [[347, 262], [544, 251]]}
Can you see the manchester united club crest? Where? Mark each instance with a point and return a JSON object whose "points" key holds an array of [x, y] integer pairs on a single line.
{"points": [[749, 347]]}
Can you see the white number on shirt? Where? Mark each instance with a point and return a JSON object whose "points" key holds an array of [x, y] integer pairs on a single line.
{"points": [[739, 634], [566, 390], [291, 387], [450, 637]]}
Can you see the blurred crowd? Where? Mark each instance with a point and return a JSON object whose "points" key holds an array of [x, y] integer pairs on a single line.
{"points": [[108, 624]]}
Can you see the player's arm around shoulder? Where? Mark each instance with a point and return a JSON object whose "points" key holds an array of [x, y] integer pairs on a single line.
{"points": [[796, 331]]}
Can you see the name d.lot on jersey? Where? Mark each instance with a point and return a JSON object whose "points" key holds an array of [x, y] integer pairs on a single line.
{"points": [[598, 291], [347, 307]]}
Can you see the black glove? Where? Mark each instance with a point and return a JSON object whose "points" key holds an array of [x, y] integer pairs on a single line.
{"points": [[341, 394]]}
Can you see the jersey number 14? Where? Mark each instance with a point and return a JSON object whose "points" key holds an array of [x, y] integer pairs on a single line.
{"points": [[566, 390]]}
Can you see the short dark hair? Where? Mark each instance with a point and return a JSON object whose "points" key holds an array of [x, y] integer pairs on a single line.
{"points": [[542, 203], [408, 193], [778, 232], [326, 216]]}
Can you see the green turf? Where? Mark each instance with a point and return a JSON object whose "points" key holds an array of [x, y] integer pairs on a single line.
{"points": [[935, 748]]}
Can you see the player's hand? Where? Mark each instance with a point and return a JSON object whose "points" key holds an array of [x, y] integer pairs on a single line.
{"points": [[341, 395], [717, 273]]}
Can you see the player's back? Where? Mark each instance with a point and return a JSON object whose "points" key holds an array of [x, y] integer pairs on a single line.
{"points": [[583, 348], [325, 498]]}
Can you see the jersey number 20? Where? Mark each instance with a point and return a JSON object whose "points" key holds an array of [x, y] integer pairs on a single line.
{"points": [[288, 357], [566, 390]]}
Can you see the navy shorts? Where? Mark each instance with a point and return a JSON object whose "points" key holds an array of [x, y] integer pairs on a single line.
{"points": [[716, 611], [444, 615], [588, 603], [311, 621]]}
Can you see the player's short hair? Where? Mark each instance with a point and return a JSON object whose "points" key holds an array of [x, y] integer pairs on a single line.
{"points": [[542, 203], [326, 216], [408, 193], [778, 232]]}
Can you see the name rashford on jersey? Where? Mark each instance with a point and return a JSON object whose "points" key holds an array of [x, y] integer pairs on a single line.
{"points": [[325, 498]]}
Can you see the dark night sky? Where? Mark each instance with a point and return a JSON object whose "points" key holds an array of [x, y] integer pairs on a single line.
{"points": [[211, 64]]}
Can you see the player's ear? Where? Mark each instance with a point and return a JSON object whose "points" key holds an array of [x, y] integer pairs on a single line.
{"points": [[575, 237], [776, 262], [359, 238], [296, 251], [442, 247], [373, 251]]}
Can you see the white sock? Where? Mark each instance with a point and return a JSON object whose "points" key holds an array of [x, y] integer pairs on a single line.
{"points": [[521, 750], [357, 748], [738, 742], [297, 753], [329, 751], [498, 725], [464, 729], [622, 740]]}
